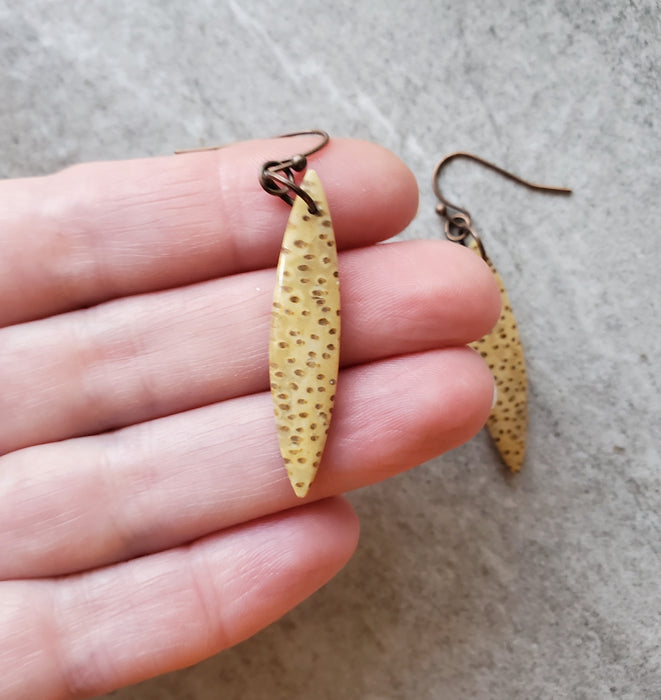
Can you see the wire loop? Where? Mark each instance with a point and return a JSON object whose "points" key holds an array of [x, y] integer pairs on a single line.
{"points": [[458, 226], [277, 176]]}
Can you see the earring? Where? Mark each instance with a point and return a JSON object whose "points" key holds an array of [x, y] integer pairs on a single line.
{"points": [[304, 346], [501, 348]]}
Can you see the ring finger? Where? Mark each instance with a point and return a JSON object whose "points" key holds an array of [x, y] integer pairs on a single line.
{"points": [[89, 501]]}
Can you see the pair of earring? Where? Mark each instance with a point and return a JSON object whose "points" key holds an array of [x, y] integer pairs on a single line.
{"points": [[304, 346]]}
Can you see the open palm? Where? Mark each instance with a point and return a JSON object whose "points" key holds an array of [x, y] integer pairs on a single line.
{"points": [[146, 520]]}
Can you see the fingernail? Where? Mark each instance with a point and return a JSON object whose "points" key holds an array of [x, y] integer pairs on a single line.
{"points": [[495, 396]]}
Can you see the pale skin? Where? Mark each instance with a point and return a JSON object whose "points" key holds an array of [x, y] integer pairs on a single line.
{"points": [[146, 520]]}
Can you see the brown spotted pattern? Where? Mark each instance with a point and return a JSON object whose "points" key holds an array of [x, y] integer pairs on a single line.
{"points": [[305, 337], [502, 351]]}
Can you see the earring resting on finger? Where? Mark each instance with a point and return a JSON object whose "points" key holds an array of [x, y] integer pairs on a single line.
{"points": [[304, 346]]}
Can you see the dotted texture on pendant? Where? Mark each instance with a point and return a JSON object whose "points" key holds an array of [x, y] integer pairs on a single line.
{"points": [[304, 348], [503, 352]]}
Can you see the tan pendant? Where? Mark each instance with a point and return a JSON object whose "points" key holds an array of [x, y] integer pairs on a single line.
{"points": [[503, 352], [304, 348], [501, 348]]}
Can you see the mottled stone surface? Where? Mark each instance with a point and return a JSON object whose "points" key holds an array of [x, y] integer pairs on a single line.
{"points": [[467, 584]]}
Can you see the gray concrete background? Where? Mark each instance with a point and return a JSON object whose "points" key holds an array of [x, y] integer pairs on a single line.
{"points": [[466, 584]]}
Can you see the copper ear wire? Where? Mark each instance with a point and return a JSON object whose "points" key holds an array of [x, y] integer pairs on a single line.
{"points": [[458, 226], [277, 177]]}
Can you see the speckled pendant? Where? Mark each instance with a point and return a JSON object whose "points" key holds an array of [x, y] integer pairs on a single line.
{"points": [[305, 336], [503, 352], [501, 348]]}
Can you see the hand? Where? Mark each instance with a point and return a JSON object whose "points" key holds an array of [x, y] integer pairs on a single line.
{"points": [[146, 520]]}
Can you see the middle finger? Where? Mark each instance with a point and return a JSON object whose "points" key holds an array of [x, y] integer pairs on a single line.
{"points": [[138, 358]]}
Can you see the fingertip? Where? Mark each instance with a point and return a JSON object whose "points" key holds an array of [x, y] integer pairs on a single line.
{"points": [[489, 293], [318, 537], [471, 286], [451, 403], [371, 191], [467, 394], [445, 296], [338, 517], [395, 414], [296, 552]]}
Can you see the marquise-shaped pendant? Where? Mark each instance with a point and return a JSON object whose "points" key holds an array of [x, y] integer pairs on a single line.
{"points": [[503, 352], [304, 347]]}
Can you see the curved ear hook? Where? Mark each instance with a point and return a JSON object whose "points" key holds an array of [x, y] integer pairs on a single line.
{"points": [[458, 226], [276, 176], [325, 138]]}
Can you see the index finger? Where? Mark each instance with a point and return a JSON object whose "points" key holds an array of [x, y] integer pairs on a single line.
{"points": [[98, 231]]}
